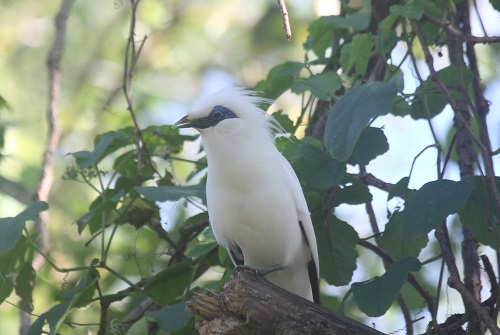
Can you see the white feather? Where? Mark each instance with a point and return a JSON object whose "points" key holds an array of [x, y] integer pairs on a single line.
{"points": [[255, 201]]}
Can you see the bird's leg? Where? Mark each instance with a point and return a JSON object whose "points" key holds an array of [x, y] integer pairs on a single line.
{"points": [[261, 271]]}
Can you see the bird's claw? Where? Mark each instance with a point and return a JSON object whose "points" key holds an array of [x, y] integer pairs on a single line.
{"points": [[261, 272]]}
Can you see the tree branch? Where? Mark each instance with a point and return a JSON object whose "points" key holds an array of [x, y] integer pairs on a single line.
{"points": [[454, 281], [455, 32], [53, 138], [249, 304]]}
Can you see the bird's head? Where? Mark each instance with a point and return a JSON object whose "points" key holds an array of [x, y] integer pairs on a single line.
{"points": [[228, 112]]}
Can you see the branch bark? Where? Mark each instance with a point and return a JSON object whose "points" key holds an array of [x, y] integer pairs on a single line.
{"points": [[53, 138], [249, 304]]}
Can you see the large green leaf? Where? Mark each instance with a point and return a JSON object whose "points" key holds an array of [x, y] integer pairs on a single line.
{"points": [[279, 79], [323, 85], [6, 287], [164, 140], [139, 327], [337, 247], [375, 296], [25, 282], [54, 317], [353, 192], [371, 143], [495, 4], [104, 144], [202, 244], [352, 113], [411, 10], [429, 101], [171, 318], [357, 53], [321, 30], [481, 216], [318, 169], [12, 228], [394, 245], [431, 205], [81, 295], [14, 259], [103, 207], [171, 193], [170, 284]]}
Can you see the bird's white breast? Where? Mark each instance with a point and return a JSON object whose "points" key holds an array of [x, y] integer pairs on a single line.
{"points": [[250, 205]]}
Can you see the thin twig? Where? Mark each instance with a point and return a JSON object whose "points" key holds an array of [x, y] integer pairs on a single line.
{"points": [[455, 32], [371, 180], [284, 17]]}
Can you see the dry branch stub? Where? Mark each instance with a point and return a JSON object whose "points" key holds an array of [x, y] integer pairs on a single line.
{"points": [[249, 304]]}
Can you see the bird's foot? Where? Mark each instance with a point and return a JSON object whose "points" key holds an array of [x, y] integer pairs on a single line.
{"points": [[260, 271]]}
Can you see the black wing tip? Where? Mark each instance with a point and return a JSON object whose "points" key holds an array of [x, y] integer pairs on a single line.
{"points": [[313, 278]]}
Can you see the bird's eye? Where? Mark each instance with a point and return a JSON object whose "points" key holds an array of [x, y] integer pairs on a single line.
{"points": [[217, 116]]}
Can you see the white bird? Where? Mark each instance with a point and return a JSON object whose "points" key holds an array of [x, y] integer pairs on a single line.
{"points": [[256, 206]]}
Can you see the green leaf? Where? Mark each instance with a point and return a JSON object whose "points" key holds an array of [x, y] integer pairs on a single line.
{"points": [[279, 79], [171, 193], [354, 192], [323, 85], [357, 53], [101, 208], [284, 121], [32, 212], [495, 4], [139, 328], [171, 318], [170, 284], [387, 37], [104, 145], [164, 140], [429, 102], [371, 143], [321, 30], [337, 247], [11, 229], [81, 295], [375, 296], [36, 327], [480, 215], [13, 260], [411, 10], [431, 205], [394, 245], [400, 107], [56, 316], [202, 244], [25, 282], [352, 113], [6, 286], [126, 166], [400, 189], [318, 169]]}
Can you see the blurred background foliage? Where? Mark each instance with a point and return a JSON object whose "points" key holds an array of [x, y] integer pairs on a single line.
{"points": [[192, 47]]}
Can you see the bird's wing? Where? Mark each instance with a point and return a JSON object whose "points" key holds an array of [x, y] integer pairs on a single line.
{"points": [[236, 254], [303, 214]]}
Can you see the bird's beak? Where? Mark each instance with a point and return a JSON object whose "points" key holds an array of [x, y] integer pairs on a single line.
{"points": [[185, 122]]}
